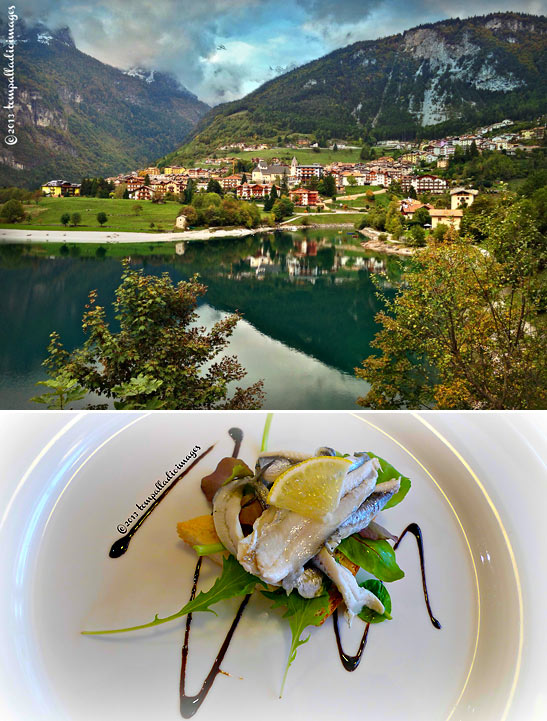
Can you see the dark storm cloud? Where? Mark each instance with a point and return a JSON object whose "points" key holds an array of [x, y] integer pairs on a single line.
{"points": [[257, 36]]}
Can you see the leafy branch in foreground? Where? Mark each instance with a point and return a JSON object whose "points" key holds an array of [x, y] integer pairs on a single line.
{"points": [[234, 581], [159, 358], [301, 612]]}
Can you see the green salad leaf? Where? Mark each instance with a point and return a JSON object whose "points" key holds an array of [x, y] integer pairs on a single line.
{"points": [[387, 473], [376, 557], [381, 592], [233, 581], [301, 612]]}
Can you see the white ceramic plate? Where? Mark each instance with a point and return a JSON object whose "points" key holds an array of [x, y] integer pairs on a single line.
{"points": [[57, 579]]}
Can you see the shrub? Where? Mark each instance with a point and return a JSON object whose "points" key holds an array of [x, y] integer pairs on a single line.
{"points": [[12, 211]]}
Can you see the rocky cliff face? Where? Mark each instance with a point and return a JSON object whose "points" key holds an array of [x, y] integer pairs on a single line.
{"points": [[430, 80], [76, 116]]}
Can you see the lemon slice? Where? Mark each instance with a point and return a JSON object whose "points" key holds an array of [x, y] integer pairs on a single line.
{"points": [[311, 488]]}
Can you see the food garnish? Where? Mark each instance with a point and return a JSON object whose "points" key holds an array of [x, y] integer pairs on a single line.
{"points": [[298, 529]]}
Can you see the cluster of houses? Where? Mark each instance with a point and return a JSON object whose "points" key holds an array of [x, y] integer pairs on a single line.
{"points": [[154, 184], [485, 138], [460, 198]]}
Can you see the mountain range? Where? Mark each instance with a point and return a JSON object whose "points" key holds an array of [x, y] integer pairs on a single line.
{"points": [[434, 79], [76, 116]]}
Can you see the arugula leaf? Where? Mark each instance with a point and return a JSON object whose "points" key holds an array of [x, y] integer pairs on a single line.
{"points": [[381, 592], [376, 557], [234, 581], [387, 473], [301, 612]]}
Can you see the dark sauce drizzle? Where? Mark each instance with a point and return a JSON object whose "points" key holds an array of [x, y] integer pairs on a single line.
{"points": [[416, 531], [236, 434], [120, 546], [350, 663], [190, 704]]}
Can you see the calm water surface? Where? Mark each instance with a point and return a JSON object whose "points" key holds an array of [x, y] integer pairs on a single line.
{"points": [[308, 320]]}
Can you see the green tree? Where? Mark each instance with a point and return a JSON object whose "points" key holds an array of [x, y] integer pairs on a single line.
{"points": [[65, 219], [365, 153], [421, 217], [440, 232], [76, 219], [101, 218], [190, 213], [121, 191], [189, 192], [412, 192], [213, 186], [147, 179], [352, 180], [282, 208], [393, 223], [328, 186], [160, 357], [270, 200], [464, 332], [417, 235], [12, 211], [284, 188]]}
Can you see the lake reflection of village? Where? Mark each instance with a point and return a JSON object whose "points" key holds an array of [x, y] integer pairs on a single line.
{"points": [[303, 259], [276, 281]]}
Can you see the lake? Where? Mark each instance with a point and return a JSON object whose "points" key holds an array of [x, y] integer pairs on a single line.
{"points": [[308, 307]]}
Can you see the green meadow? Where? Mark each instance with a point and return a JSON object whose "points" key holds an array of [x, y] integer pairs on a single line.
{"points": [[305, 156], [122, 215]]}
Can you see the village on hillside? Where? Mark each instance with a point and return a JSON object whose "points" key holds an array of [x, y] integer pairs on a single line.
{"points": [[410, 168]]}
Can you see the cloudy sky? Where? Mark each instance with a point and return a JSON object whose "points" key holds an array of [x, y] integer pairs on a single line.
{"points": [[223, 49]]}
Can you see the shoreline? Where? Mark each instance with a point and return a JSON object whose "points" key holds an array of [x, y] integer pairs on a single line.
{"points": [[379, 246], [17, 235]]}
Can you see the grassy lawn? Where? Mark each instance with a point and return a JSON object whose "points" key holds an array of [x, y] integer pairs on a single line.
{"points": [[46, 215], [361, 189], [329, 218], [305, 156]]}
